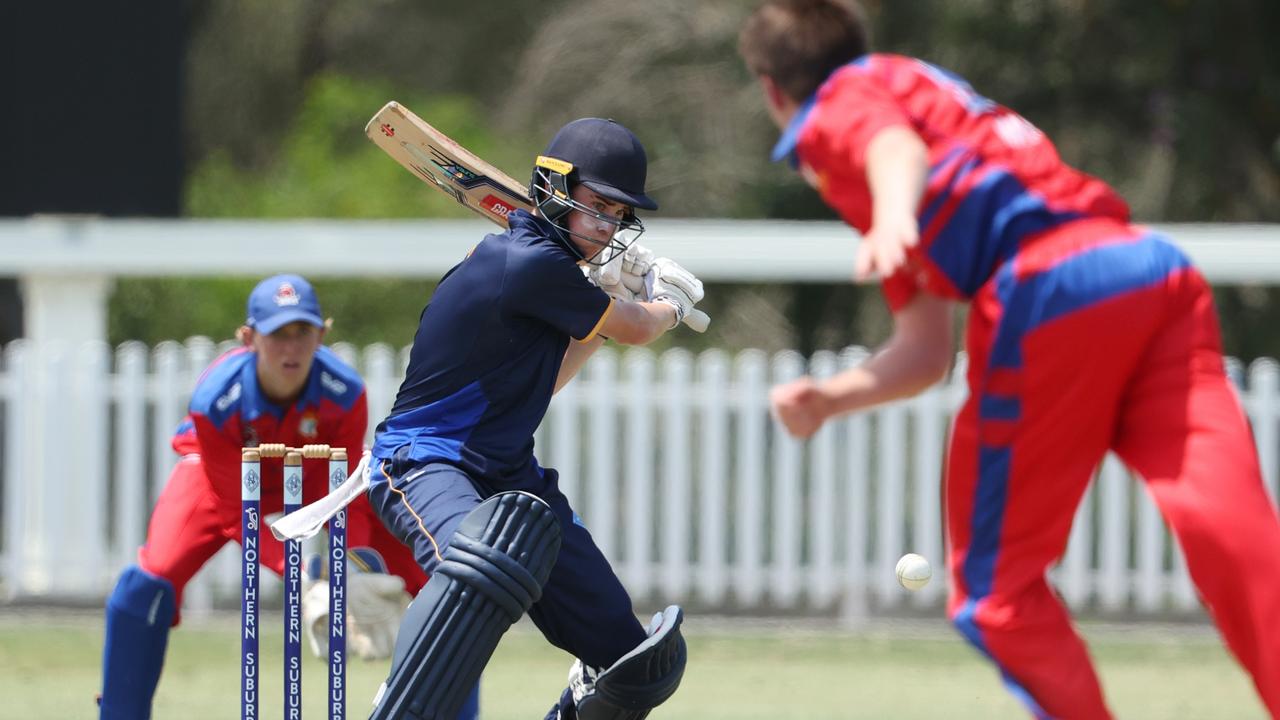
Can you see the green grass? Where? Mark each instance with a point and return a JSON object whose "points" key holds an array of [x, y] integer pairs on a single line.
{"points": [[49, 668]]}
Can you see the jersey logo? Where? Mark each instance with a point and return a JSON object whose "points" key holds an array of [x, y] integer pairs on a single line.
{"points": [[286, 295], [333, 384], [307, 426], [228, 398], [249, 436]]}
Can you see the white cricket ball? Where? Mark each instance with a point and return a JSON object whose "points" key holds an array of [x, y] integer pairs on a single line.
{"points": [[913, 571]]}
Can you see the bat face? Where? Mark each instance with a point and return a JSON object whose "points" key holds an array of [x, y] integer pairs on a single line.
{"points": [[449, 167]]}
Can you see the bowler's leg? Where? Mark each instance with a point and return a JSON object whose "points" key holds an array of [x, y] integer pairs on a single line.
{"points": [[1183, 430], [1051, 358], [1002, 538]]}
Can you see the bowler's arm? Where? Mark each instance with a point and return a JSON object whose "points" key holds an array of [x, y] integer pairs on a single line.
{"points": [[916, 356], [897, 169]]}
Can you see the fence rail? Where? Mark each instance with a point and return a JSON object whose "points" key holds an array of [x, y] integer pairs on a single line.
{"points": [[672, 460]]}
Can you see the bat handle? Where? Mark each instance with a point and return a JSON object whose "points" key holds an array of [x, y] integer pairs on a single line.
{"points": [[697, 320]]}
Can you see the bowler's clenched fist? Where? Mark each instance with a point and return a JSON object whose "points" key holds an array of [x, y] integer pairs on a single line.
{"points": [[800, 405]]}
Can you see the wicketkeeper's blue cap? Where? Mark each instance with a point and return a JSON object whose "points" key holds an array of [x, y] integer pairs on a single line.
{"points": [[280, 300]]}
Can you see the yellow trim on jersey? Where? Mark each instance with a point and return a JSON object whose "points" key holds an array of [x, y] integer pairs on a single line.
{"points": [[391, 484], [599, 323]]}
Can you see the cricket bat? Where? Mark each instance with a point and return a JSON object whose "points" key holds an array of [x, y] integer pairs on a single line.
{"points": [[452, 169]]}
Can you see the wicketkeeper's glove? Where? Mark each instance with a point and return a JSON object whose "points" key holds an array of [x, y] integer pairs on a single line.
{"points": [[375, 603]]}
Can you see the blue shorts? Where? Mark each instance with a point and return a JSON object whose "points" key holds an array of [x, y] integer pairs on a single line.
{"points": [[584, 609]]}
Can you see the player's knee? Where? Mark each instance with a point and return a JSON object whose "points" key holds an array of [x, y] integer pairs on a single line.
{"points": [[493, 570], [144, 596], [139, 612], [491, 551]]}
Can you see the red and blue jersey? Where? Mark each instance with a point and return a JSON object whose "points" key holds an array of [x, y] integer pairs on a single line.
{"points": [[228, 412], [488, 350], [994, 178], [1085, 334]]}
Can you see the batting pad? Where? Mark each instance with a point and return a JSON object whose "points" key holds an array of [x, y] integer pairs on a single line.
{"points": [[643, 678], [139, 612], [493, 571]]}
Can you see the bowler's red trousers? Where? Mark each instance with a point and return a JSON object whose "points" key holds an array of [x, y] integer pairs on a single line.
{"points": [[1099, 336]]}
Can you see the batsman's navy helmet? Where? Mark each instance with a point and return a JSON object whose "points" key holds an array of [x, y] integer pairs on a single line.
{"points": [[606, 157]]}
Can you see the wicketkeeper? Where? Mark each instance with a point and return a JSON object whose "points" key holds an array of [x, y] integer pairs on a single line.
{"points": [[281, 386]]}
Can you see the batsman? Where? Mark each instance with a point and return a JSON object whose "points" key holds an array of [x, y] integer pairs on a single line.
{"points": [[454, 474]]}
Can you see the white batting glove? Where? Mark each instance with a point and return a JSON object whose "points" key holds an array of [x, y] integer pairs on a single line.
{"points": [[667, 282], [607, 277], [636, 262], [605, 274], [623, 276]]}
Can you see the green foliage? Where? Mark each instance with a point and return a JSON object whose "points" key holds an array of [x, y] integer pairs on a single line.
{"points": [[1176, 103], [364, 311], [326, 167], [156, 309]]}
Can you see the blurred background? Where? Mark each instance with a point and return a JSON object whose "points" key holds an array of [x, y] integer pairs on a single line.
{"points": [[157, 158], [223, 109]]}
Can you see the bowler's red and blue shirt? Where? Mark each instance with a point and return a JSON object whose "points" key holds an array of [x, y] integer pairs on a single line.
{"points": [[229, 412], [487, 353], [994, 178]]}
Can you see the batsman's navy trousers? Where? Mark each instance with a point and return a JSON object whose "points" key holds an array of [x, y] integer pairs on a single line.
{"points": [[1099, 336], [584, 609]]}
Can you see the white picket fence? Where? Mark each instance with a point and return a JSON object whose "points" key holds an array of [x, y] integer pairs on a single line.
{"points": [[672, 460]]}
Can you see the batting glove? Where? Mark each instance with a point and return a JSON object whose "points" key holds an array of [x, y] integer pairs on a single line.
{"points": [[623, 276], [667, 282]]}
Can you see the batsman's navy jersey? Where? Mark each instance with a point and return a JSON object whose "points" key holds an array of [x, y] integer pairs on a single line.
{"points": [[488, 348], [994, 179]]}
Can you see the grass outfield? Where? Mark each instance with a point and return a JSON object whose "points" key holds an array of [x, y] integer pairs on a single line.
{"points": [[49, 668]]}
